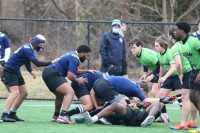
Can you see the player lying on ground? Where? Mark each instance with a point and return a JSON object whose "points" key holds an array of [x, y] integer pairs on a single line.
{"points": [[129, 116]]}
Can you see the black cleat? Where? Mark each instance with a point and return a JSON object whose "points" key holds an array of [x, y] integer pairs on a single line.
{"points": [[5, 118], [13, 115]]}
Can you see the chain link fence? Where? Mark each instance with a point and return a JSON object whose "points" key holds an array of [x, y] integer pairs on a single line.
{"points": [[66, 35]]}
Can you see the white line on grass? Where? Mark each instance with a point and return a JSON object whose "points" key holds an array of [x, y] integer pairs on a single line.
{"points": [[40, 105]]}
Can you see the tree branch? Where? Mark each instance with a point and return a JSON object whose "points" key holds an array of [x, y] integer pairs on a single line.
{"points": [[61, 11], [192, 7]]}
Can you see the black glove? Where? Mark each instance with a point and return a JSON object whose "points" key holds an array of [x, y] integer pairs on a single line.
{"points": [[168, 99], [114, 70], [106, 63], [143, 105]]}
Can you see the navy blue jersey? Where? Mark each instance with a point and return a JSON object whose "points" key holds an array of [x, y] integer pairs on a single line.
{"points": [[67, 63], [4, 43], [196, 34], [92, 77], [126, 87], [23, 55]]}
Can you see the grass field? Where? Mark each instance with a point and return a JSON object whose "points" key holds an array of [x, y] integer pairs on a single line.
{"points": [[37, 115]]}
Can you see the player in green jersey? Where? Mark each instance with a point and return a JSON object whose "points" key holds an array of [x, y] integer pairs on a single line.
{"points": [[168, 78], [191, 50], [148, 58], [183, 68]]}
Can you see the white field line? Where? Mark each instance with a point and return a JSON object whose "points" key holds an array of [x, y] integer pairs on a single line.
{"points": [[51, 105]]}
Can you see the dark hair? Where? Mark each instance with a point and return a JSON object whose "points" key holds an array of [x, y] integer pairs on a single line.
{"points": [[184, 26], [135, 41], [171, 32], [163, 41], [83, 48], [198, 22]]}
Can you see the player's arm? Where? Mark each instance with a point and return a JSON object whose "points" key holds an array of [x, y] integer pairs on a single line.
{"points": [[145, 73], [71, 76], [6, 56], [171, 70], [40, 63], [81, 71], [29, 69], [169, 73], [178, 63]]}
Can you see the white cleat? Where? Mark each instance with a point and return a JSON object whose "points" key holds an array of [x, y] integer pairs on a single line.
{"points": [[88, 119], [104, 121], [148, 121]]}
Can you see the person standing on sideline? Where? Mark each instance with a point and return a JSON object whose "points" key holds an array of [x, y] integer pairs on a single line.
{"points": [[197, 33], [5, 51], [123, 28], [54, 78], [113, 51], [13, 77]]}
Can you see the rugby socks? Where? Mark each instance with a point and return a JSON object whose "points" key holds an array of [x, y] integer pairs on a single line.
{"points": [[179, 99], [94, 112], [95, 118], [64, 113], [77, 110], [164, 112], [56, 114]]}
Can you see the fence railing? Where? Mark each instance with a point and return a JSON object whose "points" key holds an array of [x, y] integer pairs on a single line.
{"points": [[65, 35]]}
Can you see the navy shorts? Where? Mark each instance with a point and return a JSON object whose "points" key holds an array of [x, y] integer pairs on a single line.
{"points": [[79, 91], [172, 82], [52, 78], [12, 78]]}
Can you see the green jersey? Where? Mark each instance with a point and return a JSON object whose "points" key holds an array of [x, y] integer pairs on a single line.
{"points": [[176, 50], [191, 50], [148, 58], [166, 60]]}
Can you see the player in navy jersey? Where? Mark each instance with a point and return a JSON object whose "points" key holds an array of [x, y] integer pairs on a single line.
{"points": [[54, 77], [82, 92], [13, 77], [4, 51], [197, 33], [110, 88]]}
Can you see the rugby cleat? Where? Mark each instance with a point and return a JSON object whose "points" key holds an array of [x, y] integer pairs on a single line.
{"points": [[167, 99], [192, 124], [148, 121], [5, 118], [54, 118], [104, 121], [88, 119], [64, 120], [14, 116], [179, 127]]}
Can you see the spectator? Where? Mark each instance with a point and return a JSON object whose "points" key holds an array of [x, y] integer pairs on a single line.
{"points": [[113, 51]]}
